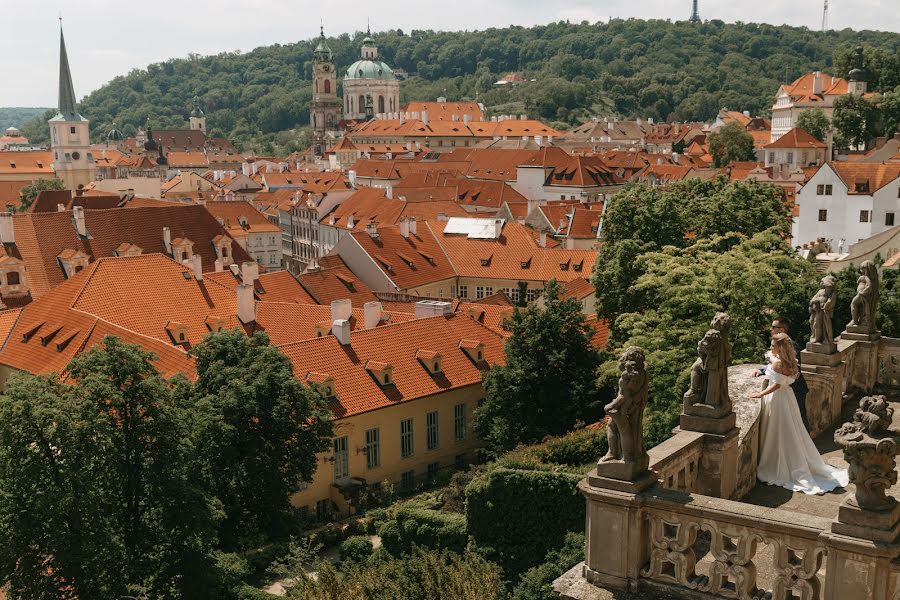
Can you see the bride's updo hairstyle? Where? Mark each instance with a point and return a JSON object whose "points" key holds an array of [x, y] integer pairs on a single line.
{"points": [[785, 348]]}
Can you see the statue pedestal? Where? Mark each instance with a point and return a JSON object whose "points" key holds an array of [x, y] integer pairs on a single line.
{"points": [[824, 375], [854, 332], [617, 536], [605, 478], [859, 568], [717, 426], [717, 474], [823, 350], [877, 526], [864, 369]]}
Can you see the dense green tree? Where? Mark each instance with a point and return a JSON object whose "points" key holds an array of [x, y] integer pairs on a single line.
{"points": [[889, 112], [424, 575], [257, 431], [814, 122], [31, 191], [547, 383], [97, 500], [854, 120], [882, 65], [629, 68], [731, 143]]}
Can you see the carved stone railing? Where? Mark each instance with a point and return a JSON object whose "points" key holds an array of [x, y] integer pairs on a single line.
{"points": [[677, 460], [718, 547], [889, 362]]}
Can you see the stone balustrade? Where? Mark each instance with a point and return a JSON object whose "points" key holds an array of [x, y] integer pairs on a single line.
{"points": [[679, 530]]}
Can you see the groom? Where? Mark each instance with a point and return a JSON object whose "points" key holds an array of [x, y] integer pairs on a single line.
{"points": [[782, 325]]}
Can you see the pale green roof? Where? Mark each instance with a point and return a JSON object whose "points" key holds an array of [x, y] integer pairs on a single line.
{"points": [[369, 69]]}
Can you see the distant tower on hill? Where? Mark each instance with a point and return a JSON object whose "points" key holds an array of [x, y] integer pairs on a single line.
{"points": [[825, 17], [695, 13]]}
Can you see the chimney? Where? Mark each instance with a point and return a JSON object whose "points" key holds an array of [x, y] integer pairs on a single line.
{"points": [[249, 273], [372, 313], [455, 117], [350, 222], [747, 113], [412, 225], [197, 264], [167, 239], [372, 229], [829, 145], [60, 207], [389, 192], [675, 158], [78, 216], [341, 310], [818, 83], [219, 265], [542, 240], [341, 330], [351, 177], [467, 119], [246, 304], [570, 243], [7, 232], [425, 117], [432, 308], [404, 228], [442, 216]]}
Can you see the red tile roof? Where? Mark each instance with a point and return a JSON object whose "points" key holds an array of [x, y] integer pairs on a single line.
{"points": [[31, 162], [409, 262], [336, 283], [357, 392], [232, 214], [796, 138], [875, 175]]}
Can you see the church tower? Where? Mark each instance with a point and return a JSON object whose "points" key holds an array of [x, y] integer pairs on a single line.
{"points": [[857, 76], [69, 134], [198, 119], [325, 108]]}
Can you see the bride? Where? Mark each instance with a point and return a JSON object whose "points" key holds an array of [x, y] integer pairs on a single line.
{"points": [[787, 455]]}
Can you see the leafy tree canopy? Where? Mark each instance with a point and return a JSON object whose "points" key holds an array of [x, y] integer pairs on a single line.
{"points": [[547, 383], [630, 68], [814, 122], [731, 143], [855, 121], [31, 191]]}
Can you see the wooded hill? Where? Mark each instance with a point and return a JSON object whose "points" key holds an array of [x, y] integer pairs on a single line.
{"points": [[630, 68]]}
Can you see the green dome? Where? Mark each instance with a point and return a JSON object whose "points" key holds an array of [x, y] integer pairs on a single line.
{"points": [[369, 69]]}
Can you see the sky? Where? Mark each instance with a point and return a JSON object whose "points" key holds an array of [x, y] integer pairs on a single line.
{"points": [[106, 38]]}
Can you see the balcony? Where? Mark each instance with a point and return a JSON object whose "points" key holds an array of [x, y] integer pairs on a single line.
{"points": [[703, 527]]}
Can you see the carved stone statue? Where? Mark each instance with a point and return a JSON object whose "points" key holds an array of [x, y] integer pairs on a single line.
{"points": [[869, 449], [821, 309], [627, 457], [708, 395], [865, 303]]}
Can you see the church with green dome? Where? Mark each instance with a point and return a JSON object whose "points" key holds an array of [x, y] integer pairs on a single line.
{"points": [[370, 86]]}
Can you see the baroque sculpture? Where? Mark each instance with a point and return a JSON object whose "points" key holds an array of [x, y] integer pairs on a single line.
{"points": [[627, 457], [869, 449], [708, 395], [821, 309], [865, 303]]}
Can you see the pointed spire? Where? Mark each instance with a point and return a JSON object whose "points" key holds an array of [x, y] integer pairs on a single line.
{"points": [[66, 89]]}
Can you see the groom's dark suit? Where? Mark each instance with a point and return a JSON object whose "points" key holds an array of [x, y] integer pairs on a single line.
{"points": [[799, 386]]}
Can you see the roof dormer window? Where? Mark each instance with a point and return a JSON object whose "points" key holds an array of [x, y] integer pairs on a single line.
{"points": [[474, 349], [430, 359], [486, 260]]}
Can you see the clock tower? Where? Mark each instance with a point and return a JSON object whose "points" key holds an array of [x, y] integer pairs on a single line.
{"points": [[325, 108]]}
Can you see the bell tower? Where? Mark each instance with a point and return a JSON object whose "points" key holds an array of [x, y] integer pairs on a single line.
{"points": [[325, 108], [69, 134]]}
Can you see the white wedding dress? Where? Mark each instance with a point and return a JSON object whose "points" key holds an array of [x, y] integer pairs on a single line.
{"points": [[787, 455]]}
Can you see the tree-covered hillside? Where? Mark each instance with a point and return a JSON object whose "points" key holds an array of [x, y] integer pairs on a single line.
{"points": [[16, 116], [631, 68]]}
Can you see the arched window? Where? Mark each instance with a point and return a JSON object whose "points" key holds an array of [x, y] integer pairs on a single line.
{"points": [[362, 104], [317, 86], [327, 86], [381, 104]]}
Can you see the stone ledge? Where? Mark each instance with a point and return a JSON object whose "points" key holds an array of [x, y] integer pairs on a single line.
{"points": [[572, 585]]}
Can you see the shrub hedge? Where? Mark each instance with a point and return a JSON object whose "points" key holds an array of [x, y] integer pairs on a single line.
{"points": [[423, 527], [355, 549], [518, 515]]}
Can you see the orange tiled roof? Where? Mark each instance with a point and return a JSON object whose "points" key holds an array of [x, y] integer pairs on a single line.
{"points": [[231, 213], [445, 111], [31, 162], [40, 237], [875, 175], [357, 392], [515, 254], [796, 138], [277, 286], [336, 283], [408, 262], [801, 90], [11, 193], [578, 288]]}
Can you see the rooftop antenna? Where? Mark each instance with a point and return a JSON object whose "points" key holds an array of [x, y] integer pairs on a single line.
{"points": [[825, 17], [695, 13]]}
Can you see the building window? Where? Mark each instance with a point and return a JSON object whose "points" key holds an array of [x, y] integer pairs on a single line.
{"points": [[828, 189], [889, 219], [513, 294], [862, 187], [771, 158], [823, 215], [12, 278], [459, 422], [460, 461], [407, 481], [790, 158], [431, 430], [341, 458], [406, 438], [72, 130], [532, 294], [864, 216], [433, 469], [373, 450], [479, 292]]}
